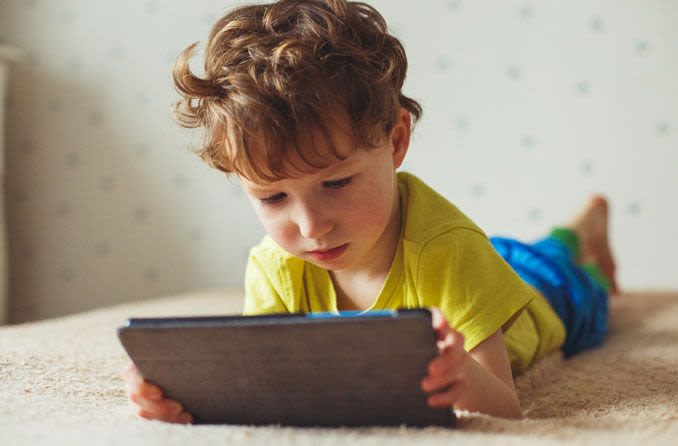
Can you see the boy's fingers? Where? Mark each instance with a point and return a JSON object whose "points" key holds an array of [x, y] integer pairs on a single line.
{"points": [[450, 352], [146, 399], [148, 415], [150, 391], [453, 339], [439, 323], [185, 418], [143, 390], [129, 370], [448, 364], [446, 368], [435, 316], [167, 410], [136, 384], [434, 384], [446, 398], [131, 374], [124, 371]]}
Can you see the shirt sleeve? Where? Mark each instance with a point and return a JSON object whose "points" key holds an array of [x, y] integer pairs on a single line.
{"points": [[261, 295], [460, 272]]}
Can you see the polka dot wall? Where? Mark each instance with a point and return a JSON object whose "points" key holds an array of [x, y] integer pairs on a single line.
{"points": [[529, 107]]}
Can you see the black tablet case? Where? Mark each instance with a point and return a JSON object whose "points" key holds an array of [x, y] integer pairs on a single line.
{"points": [[291, 369]]}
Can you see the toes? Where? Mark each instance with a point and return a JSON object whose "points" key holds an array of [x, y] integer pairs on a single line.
{"points": [[599, 201]]}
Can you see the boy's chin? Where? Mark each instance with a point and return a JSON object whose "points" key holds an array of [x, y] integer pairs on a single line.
{"points": [[334, 265], [330, 265]]}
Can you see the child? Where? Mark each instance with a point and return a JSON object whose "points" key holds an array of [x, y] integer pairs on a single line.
{"points": [[302, 100]]}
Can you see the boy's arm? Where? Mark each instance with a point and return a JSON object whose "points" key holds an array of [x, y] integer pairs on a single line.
{"points": [[489, 380], [477, 381]]}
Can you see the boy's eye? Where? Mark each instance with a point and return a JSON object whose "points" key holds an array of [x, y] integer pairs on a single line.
{"points": [[277, 198], [338, 184], [273, 199]]}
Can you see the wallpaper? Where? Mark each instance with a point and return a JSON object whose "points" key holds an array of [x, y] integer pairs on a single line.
{"points": [[529, 107]]}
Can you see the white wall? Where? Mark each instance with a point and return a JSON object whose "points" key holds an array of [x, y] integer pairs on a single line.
{"points": [[529, 106]]}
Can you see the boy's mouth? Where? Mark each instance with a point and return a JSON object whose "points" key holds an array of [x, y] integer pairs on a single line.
{"points": [[327, 254]]}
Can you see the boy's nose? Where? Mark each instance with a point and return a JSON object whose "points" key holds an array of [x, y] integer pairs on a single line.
{"points": [[313, 225]]}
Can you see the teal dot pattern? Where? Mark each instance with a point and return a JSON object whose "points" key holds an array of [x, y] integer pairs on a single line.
{"points": [[529, 108]]}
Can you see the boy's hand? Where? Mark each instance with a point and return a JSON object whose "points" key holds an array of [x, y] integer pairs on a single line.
{"points": [[446, 372], [146, 399]]}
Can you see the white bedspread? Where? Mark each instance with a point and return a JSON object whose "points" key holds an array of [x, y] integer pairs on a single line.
{"points": [[60, 384]]}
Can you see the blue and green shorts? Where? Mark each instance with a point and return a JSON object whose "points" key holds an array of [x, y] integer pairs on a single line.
{"points": [[577, 293]]}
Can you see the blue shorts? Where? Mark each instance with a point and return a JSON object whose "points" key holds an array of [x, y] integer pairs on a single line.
{"points": [[579, 300]]}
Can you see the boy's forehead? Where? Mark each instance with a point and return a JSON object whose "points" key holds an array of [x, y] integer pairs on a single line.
{"points": [[311, 153]]}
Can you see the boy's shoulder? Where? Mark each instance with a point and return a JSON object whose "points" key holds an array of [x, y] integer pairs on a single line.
{"points": [[427, 215]]}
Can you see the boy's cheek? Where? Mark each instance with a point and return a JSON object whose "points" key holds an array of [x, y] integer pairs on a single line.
{"points": [[285, 238]]}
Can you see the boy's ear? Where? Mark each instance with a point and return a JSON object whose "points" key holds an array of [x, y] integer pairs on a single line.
{"points": [[400, 137]]}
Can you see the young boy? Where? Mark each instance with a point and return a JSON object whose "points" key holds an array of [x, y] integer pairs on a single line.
{"points": [[302, 100]]}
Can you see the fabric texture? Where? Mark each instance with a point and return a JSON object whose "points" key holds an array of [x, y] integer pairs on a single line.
{"points": [[442, 259], [60, 385], [579, 299]]}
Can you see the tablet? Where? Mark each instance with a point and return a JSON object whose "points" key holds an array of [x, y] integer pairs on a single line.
{"points": [[318, 369]]}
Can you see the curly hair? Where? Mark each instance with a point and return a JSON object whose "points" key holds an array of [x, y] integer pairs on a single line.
{"points": [[278, 75]]}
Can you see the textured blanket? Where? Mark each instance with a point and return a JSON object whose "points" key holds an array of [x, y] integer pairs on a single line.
{"points": [[60, 384]]}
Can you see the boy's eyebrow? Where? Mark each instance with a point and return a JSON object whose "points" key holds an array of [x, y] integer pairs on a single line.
{"points": [[339, 166], [329, 171]]}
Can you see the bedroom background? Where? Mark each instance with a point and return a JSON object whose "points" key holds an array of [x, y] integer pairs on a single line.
{"points": [[529, 106]]}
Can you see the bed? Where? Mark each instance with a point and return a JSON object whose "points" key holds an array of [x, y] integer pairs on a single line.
{"points": [[60, 384]]}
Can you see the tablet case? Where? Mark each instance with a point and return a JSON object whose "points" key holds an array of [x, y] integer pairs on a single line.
{"points": [[299, 370]]}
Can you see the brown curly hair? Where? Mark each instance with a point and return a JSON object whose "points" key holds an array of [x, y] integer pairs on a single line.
{"points": [[278, 75]]}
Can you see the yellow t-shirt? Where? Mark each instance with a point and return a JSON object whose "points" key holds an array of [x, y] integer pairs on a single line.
{"points": [[442, 259]]}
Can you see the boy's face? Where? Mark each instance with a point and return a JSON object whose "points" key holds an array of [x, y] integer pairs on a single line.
{"points": [[343, 217]]}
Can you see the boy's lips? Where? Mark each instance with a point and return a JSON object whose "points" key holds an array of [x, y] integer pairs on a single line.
{"points": [[327, 254]]}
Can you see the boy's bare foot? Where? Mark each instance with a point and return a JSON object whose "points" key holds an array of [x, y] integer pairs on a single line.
{"points": [[591, 226]]}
